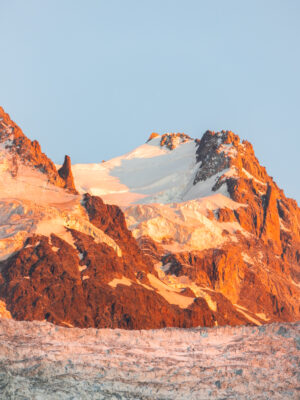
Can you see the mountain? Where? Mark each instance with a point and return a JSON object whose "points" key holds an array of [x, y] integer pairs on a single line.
{"points": [[200, 235]]}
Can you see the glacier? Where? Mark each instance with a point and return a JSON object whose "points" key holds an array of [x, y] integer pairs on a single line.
{"points": [[42, 361]]}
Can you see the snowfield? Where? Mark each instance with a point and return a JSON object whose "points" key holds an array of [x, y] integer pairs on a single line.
{"points": [[146, 182], [41, 361], [148, 174], [154, 187]]}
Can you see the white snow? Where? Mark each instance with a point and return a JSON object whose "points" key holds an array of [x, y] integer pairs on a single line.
{"points": [[56, 226], [169, 287], [245, 312], [169, 293], [228, 149], [54, 248], [252, 177], [30, 205], [247, 258], [262, 316], [185, 224], [148, 174], [120, 281], [154, 186], [182, 282], [282, 225], [103, 179]]}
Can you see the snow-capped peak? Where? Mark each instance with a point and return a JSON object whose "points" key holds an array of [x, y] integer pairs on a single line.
{"points": [[151, 173], [169, 168]]}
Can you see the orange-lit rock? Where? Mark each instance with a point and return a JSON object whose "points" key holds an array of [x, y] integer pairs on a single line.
{"points": [[252, 277], [29, 153], [65, 172]]}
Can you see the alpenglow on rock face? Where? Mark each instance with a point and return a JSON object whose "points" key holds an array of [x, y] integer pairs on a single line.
{"points": [[18, 154], [179, 232]]}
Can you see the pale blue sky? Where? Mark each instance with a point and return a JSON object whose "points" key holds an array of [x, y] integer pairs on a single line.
{"points": [[93, 79]]}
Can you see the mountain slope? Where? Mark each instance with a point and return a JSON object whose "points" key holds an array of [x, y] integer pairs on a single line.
{"points": [[152, 173], [19, 157], [218, 221], [211, 239]]}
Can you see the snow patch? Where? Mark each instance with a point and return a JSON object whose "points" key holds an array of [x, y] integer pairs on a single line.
{"points": [[262, 316], [57, 227], [179, 283], [148, 174], [29, 205], [183, 226], [120, 281], [169, 293], [245, 312], [282, 225], [252, 177], [248, 259], [228, 149]]}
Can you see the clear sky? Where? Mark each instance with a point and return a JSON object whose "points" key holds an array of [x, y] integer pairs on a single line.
{"points": [[93, 78]]}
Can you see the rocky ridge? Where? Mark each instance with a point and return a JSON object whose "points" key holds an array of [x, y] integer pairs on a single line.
{"points": [[79, 265], [23, 152], [269, 214], [259, 271], [170, 140], [65, 172]]}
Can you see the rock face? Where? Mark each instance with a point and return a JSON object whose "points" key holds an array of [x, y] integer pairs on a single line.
{"points": [[65, 172], [260, 272], [23, 151], [248, 183], [229, 257], [91, 286], [170, 140]]}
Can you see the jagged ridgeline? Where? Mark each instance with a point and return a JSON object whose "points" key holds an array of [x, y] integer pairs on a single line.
{"points": [[179, 232]]}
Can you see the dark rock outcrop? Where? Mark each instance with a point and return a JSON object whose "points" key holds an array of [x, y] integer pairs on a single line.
{"points": [[172, 140], [65, 172]]}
